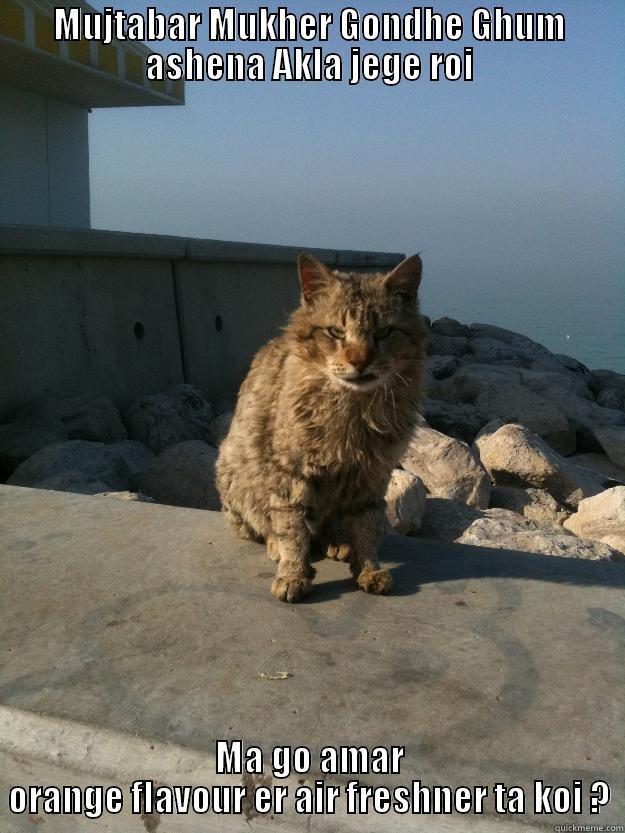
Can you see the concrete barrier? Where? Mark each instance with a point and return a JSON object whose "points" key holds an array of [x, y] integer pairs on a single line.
{"points": [[134, 636], [127, 314]]}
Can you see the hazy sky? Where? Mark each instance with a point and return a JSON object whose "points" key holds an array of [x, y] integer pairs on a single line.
{"points": [[512, 186]]}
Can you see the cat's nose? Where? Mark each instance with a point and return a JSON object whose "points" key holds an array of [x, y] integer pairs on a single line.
{"points": [[358, 357]]}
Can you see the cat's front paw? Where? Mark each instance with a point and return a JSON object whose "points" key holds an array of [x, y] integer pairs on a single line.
{"points": [[290, 588], [375, 581]]}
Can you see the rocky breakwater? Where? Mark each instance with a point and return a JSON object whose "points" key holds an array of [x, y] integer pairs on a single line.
{"points": [[518, 448]]}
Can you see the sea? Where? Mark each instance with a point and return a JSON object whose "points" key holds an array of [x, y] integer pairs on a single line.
{"points": [[590, 327]]}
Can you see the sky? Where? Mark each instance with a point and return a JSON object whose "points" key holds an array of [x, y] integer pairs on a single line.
{"points": [[512, 186]]}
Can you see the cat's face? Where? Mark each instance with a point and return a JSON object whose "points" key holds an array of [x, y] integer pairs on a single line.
{"points": [[359, 330]]}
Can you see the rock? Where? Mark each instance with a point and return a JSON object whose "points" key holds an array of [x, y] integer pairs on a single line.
{"points": [[72, 481], [450, 327], [79, 463], [90, 460], [183, 475], [405, 502], [461, 421], [465, 384], [531, 352], [447, 345], [612, 398], [445, 519], [486, 350], [544, 381], [86, 417], [584, 416], [569, 363], [602, 518], [521, 534], [164, 419], [515, 457], [133, 496], [534, 504], [224, 404], [20, 440], [516, 403], [496, 391], [220, 426], [440, 367], [602, 379], [450, 520], [613, 443], [448, 467], [134, 457], [601, 465]]}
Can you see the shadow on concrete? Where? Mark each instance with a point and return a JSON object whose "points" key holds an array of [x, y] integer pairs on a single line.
{"points": [[422, 562], [415, 562]]}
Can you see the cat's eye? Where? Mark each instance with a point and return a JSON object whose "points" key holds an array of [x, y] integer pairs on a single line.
{"points": [[383, 333], [336, 333]]}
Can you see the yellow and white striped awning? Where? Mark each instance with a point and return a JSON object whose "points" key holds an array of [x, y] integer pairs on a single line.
{"points": [[83, 72]]}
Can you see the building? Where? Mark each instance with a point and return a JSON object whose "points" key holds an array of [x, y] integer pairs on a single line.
{"points": [[47, 89]]}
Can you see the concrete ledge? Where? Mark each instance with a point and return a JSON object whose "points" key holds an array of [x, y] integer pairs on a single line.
{"points": [[128, 625], [44, 240]]}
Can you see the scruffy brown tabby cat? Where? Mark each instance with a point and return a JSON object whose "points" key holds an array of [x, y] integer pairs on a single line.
{"points": [[321, 420]]}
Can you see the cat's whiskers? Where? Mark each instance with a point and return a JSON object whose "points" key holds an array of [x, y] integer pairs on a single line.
{"points": [[402, 378], [394, 406]]}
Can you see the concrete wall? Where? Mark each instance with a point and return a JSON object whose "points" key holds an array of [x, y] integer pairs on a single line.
{"points": [[126, 314], [44, 161]]}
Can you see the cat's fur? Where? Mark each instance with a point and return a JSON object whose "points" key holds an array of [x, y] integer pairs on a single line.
{"points": [[322, 418]]}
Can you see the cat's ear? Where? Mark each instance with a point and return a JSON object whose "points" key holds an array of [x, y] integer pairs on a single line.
{"points": [[314, 277], [405, 278]]}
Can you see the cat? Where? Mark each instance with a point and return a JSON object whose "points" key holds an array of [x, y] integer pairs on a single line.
{"points": [[323, 416]]}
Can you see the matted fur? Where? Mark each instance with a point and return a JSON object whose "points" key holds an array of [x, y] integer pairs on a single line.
{"points": [[322, 418]]}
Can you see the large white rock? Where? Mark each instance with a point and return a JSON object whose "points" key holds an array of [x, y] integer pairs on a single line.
{"points": [[450, 520], [163, 419], [601, 517], [183, 475], [515, 457], [405, 502], [87, 417], [527, 536], [448, 467]]}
